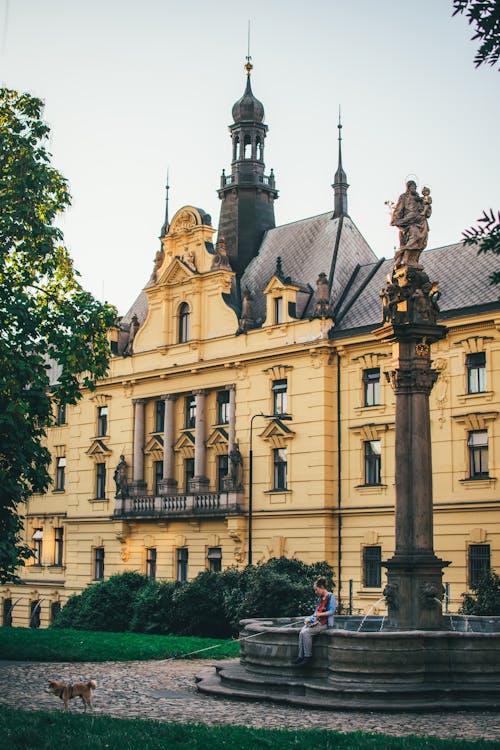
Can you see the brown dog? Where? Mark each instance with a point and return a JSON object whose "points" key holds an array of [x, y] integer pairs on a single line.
{"points": [[73, 690]]}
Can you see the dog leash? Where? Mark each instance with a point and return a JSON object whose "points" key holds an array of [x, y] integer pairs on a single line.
{"points": [[237, 640]]}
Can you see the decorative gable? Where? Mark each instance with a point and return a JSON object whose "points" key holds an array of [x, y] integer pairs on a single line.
{"points": [[154, 447], [277, 433], [98, 450], [219, 441], [177, 272], [185, 445]]}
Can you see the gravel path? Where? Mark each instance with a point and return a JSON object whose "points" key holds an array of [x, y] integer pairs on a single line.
{"points": [[166, 691]]}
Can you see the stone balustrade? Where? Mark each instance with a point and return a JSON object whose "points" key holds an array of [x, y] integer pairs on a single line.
{"points": [[206, 503]]}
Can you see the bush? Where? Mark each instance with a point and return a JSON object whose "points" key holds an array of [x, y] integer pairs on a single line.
{"points": [[199, 607], [210, 605], [107, 605], [153, 609], [486, 597]]}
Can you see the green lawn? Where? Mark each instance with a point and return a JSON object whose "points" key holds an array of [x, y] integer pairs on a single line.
{"points": [[25, 730], [25, 644]]}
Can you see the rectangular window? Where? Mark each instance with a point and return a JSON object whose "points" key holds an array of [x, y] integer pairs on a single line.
{"points": [[190, 411], [102, 421], [100, 491], [214, 559], [222, 471], [223, 407], [98, 563], [182, 564], [160, 416], [373, 458], [113, 347], [372, 557], [58, 545], [61, 414], [55, 608], [278, 310], [280, 467], [478, 454], [60, 473], [280, 400], [188, 472], [371, 386], [37, 546], [476, 372], [479, 563], [151, 563], [158, 476]]}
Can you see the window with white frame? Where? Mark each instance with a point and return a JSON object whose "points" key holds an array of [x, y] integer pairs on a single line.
{"points": [[372, 558], [479, 563], [280, 465], [477, 442], [214, 556], [60, 473], [98, 563], [371, 386], [476, 372], [182, 563], [373, 461]]}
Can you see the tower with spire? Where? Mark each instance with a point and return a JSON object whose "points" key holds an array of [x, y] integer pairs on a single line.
{"points": [[247, 194], [340, 182]]}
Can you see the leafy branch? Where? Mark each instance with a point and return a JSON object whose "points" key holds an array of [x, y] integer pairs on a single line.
{"points": [[485, 15], [486, 237]]}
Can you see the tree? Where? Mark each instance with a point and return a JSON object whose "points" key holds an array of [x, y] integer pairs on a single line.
{"points": [[48, 323], [485, 15], [485, 601]]}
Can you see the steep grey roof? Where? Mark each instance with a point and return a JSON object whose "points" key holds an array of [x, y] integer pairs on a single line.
{"points": [[307, 248], [463, 283]]}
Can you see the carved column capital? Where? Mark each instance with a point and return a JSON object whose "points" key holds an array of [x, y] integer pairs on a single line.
{"points": [[199, 392], [412, 381], [169, 396], [140, 401]]}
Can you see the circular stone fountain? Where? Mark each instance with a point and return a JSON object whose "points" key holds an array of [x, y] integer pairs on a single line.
{"points": [[387, 670], [420, 658]]}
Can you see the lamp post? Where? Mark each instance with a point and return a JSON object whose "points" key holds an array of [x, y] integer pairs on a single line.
{"points": [[281, 417]]}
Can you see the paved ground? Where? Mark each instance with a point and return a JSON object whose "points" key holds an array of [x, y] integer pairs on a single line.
{"points": [[166, 691]]}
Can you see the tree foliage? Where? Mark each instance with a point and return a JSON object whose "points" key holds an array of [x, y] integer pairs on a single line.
{"points": [[47, 320], [485, 599], [485, 16], [486, 237]]}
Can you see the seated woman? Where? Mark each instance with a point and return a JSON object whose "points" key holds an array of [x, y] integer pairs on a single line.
{"points": [[320, 620]]}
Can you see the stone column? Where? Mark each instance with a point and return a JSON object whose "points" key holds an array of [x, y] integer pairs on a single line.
{"points": [[168, 484], [199, 483], [414, 587], [229, 484], [138, 485]]}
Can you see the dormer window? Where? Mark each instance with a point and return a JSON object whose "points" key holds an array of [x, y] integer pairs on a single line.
{"points": [[184, 314]]}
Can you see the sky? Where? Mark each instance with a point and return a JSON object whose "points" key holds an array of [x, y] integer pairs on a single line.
{"points": [[135, 87]]}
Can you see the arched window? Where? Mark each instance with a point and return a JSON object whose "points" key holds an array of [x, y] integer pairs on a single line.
{"points": [[258, 149], [236, 148], [184, 314]]}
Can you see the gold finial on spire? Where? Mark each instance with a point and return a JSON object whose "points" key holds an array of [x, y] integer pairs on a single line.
{"points": [[248, 65]]}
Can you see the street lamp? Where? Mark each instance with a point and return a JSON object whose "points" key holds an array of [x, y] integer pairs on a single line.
{"points": [[281, 417]]}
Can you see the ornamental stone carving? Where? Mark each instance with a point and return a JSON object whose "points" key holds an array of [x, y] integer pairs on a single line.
{"points": [[412, 381], [429, 595], [409, 297], [390, 593], [409, 214]]}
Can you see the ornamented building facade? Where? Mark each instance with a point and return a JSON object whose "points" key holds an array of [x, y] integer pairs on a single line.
{"points": [[246, 414]]}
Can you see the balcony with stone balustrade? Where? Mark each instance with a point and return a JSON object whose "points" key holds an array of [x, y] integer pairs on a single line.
{"points": [[178, 505]]}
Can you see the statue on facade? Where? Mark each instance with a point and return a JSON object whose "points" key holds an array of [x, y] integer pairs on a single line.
{"points": [[157, 265], [121, 482], [246, 320], [220, 259], [134, 327], [409, 214], [322, 307], [236, 466]]}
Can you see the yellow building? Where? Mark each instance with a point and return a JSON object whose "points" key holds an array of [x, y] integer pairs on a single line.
{"points": [[246, 414]]}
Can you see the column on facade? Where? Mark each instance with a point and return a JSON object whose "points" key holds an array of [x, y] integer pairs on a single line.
{"points": [[138, 484], [168, 483], [199, 482]]}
